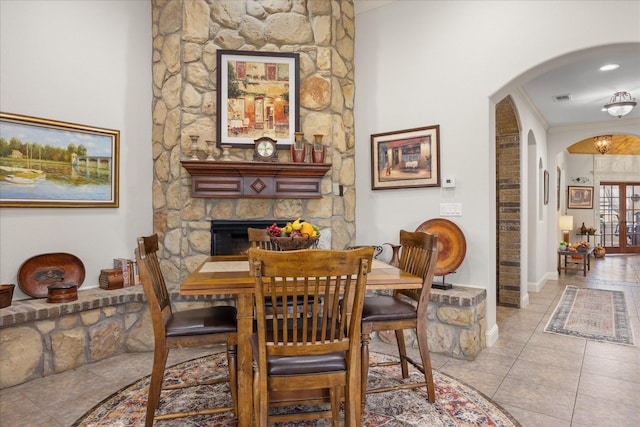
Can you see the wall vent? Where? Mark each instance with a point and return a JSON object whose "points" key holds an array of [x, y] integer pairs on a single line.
{"points": [[562, 98]]}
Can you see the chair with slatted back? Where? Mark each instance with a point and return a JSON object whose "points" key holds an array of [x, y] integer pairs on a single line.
{"points": [[178, 329], [258, 238], [318, 350], [405, 309]]}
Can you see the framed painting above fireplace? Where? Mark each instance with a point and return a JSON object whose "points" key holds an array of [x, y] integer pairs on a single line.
{"points": [[257, 95]]}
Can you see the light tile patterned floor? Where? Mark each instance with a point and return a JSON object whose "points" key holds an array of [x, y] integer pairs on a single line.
{"points": [[543, 380]]}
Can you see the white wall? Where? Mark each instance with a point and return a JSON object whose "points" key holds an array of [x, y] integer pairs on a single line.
{"points": [[426, 63], [85, 62]]}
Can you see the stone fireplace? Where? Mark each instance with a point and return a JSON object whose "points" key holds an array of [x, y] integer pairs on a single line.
{"points": [[186, 37]]}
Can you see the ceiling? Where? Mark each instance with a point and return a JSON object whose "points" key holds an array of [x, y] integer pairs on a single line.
{"points": [[584, 88]]}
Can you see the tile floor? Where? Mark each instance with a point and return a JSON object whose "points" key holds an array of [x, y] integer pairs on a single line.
{"points": [[543, 380]]}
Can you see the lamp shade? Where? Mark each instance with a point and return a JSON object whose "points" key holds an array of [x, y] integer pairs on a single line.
{"points": [[565, 222]]}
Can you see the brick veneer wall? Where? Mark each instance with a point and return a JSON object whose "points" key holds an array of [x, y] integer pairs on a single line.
{"points": [[508, 207]]}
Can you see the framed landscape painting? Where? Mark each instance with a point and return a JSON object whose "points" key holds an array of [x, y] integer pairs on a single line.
{"points": [[405, 159], [48, 163], [257, 95]]}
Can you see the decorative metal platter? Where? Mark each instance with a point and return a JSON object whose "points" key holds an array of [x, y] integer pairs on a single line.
{"points": [[39, 272], [452, 246]]}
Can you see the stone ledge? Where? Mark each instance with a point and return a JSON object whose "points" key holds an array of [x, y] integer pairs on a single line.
{"points": [[461, 296], [29, 310], [39, 338]]}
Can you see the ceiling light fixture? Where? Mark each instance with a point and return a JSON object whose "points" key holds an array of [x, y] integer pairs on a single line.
{"points": [[609, 67], [620, 104], [602, 143]]}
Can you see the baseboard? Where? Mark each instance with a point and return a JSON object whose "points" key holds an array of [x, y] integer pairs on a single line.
{"points": [[537, 286], [492, 336], [524, 300]]}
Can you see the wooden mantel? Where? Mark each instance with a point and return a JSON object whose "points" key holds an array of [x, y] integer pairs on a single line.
{"points": [[262, 180]]}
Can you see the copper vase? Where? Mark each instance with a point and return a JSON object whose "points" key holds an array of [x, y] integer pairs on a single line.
{"points": [[298, 155], [298, 149], [318, 150]]}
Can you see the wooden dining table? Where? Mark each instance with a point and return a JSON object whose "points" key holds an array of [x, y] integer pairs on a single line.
{"points": [[229, 275]]}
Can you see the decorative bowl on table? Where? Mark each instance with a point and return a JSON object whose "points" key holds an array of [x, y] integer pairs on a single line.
{"points": [[583, 246], [293, 243]]}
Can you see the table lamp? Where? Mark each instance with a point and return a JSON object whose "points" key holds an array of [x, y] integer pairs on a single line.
{"points": [[565, 222]]}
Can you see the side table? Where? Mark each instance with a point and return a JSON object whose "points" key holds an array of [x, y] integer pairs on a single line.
{"points": [[586, 260]]}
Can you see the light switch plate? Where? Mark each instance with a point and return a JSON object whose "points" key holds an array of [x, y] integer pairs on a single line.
{"points": [[450, 209]]}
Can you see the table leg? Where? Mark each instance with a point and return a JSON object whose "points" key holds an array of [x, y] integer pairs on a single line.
{"points": [[559, 255], [245, 370], [584, 264]]}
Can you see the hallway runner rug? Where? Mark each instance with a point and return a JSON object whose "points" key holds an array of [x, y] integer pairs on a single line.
{"points": [[456, 403], [594, 314]]}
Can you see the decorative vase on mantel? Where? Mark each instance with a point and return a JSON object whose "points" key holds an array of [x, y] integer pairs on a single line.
{"points": [[318, 150], [298, 149]]}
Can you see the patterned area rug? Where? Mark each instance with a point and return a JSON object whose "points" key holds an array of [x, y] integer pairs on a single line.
{"points": [[456, 404], [595, 314]]}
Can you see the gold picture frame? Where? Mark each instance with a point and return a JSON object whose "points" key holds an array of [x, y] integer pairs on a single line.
{"points": [[406, 159], [49, 163]]}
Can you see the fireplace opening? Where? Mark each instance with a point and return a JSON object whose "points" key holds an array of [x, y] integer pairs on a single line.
{"points": [[231, 237]]}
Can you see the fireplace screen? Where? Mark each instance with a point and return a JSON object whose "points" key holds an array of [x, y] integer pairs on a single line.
{"points": [[231, 237]]}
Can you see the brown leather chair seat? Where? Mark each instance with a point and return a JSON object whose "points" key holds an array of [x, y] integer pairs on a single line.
{"points": [[202, 321], [301, 365], [383, 307]]}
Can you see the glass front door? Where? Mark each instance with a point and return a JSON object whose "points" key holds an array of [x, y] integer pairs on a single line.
{"points": [[619, 212]]}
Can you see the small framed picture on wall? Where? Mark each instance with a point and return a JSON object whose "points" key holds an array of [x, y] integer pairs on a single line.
{"points": [[580, 197]]}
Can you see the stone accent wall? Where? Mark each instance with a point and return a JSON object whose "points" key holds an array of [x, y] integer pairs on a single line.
{"points": [[508, 204], [186, 36], [39, 338]]}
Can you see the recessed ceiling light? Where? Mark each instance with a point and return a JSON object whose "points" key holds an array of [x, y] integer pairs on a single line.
{"points": [[609, 67]]}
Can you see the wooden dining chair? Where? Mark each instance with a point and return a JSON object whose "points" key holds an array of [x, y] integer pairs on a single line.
{"points": [[405, 309], [258, 238], [318, 350], [187, 328]]}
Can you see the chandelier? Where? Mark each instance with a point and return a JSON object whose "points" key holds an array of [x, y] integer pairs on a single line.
{"points": [[620, 104], [602, 143]]}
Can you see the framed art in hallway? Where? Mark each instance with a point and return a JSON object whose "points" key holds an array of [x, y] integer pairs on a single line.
{"points": [[406, 158], [257, 96], [580, 197], [48, 163], [546, 187], [559, 174]]}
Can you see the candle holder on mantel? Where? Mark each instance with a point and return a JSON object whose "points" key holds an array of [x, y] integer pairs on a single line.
{"points": [[194, 147], [318, 150], [211, 150], [298, 148], [226, 155]]}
